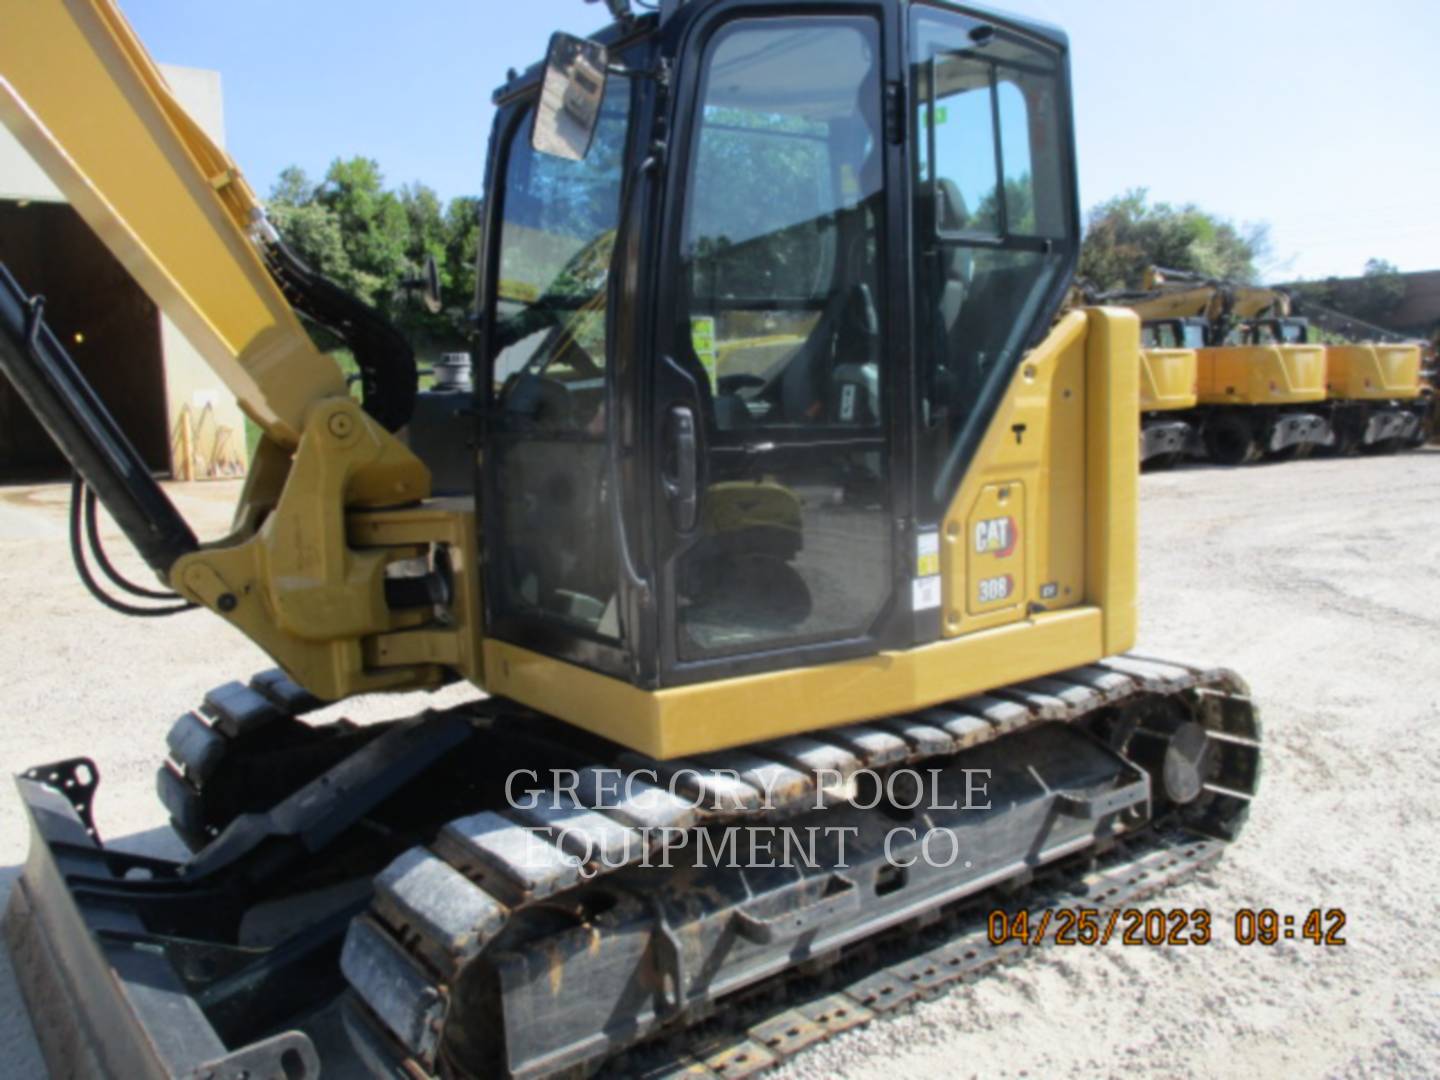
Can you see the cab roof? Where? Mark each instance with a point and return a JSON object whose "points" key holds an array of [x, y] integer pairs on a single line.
{"points": [[647, 21]]}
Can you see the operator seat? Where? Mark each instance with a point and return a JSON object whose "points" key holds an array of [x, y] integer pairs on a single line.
{"points": [[805, 382], [847, 334], [946, 214]]}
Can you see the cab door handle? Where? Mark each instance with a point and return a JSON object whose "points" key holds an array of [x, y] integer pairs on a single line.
{"points": [[681, 473]]}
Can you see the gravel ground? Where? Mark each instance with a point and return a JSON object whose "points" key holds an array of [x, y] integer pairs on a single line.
{"points": [[1318, 581]]}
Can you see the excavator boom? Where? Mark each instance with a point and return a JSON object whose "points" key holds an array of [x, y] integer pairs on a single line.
{"points": [[1179, 294]]}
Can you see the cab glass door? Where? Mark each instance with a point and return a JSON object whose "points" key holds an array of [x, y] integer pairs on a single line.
{"points": [[548, 537], [774, 405]]}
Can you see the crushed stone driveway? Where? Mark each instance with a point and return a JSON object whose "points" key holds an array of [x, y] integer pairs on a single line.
{"points": [[1318, 581]]}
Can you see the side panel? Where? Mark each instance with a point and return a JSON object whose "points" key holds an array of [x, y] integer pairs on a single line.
{"points": [[1034, 451], [1373, 372], [685, 720], [1112, 472], [1262, 374], [1168, 379]]}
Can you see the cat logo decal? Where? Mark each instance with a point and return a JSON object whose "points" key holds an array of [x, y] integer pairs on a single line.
{"points": [[996, 536]]}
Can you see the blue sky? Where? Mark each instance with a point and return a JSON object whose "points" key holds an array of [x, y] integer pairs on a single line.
{"points": [[1316, 117]]}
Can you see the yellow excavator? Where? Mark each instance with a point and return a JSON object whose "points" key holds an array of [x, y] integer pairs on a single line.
{"points": [[801, 657], [1252, 399], [1382, 383], [1377, 399], [1170, 390], [1263, 387], [1430, 381]]}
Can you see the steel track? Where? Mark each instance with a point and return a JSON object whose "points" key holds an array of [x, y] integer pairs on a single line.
{"points": [[760, 1030], [444, 911]]}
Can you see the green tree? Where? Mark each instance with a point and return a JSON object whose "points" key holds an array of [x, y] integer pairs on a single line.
{"points": [[1128, 233], [373, 226], [1372, 297], [311, 229], [462, 251], [292, 188], [425, 222], [370, 240]]}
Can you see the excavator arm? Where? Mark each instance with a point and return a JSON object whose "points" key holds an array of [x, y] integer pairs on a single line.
{"points": [[1182, 294], [84, 98]]}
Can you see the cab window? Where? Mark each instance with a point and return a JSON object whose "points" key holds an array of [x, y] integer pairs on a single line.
{"points": [[994, 223], [557, 237], [779, 241]]}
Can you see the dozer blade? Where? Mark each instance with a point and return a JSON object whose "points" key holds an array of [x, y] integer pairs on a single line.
{"points": [[137, 967], [104, 998]]}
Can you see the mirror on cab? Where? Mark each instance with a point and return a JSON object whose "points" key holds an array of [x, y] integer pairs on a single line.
{"points": [[425, 285], [569, 108]]}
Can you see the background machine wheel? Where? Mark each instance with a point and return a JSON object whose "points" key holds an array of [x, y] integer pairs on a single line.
{"points": [[1230, 439]]}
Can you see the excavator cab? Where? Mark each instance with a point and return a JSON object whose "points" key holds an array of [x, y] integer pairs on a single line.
{"points": [[1288, 330], [739, 352], [1172, 333]]}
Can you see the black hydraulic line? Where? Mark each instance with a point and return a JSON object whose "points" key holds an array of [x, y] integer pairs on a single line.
{"points": [[48, 381], [77, 553], [388, 374], [1348, 325], [97, 551]]}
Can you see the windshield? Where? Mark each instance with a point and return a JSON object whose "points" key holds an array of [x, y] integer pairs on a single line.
{"points": [[556, 237], [1271, 332], [1173, 334], [549, 542]]}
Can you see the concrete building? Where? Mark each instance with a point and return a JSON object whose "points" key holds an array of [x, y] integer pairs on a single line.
{"points": [[1418, 312], [1415, 314], [176, 411]]}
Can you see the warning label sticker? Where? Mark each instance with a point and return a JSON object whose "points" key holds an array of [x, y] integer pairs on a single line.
{"points": [[926, 593], [927, 554], [702, 339]]}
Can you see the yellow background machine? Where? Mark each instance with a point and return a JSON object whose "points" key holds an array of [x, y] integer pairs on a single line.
{"points": [[1262, 387], [1375, 400], [1169, 390]]}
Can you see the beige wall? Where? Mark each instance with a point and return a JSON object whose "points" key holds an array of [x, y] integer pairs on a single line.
{"points": [[192, 389], [21, 180], [217, 427], [199, 91]]}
